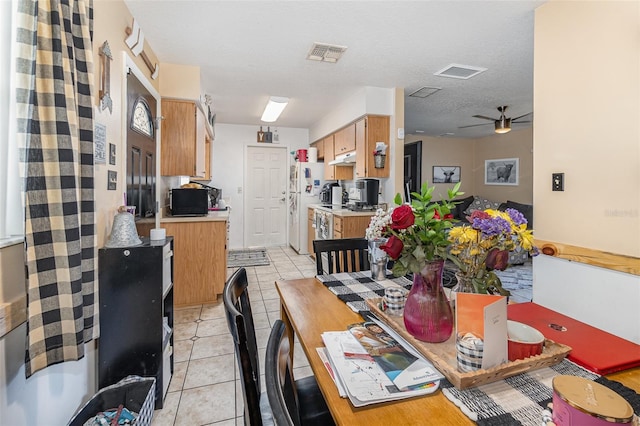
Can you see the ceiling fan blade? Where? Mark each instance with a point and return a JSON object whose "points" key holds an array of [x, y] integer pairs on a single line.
{"points": [[520, 122], [484, 117], [520, 116], [474, 125]]}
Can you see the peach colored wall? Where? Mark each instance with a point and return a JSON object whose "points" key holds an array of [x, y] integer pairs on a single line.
{"points": [[515, 144], [179, 81], [111, 18], [587, 115], [470, 155]]}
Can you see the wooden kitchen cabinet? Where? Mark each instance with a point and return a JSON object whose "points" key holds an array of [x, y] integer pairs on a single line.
{"points": [[334, 172], [200, 260], [345, 140], [350, 226], [311, 231], [183, 139], [368, 131]]}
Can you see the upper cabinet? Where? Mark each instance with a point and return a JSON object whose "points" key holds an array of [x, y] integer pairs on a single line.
{"points": [[334, 172], [345, 140], [183, 139], [368, 131]]}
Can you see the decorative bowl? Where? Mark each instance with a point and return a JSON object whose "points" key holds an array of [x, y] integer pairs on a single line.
{"points": [[523, 340]]}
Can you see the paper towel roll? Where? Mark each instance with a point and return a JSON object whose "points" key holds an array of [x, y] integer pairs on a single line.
{"points": [[312, 155], [336, 195]]}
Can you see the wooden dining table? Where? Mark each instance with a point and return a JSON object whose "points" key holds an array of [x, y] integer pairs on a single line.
{"points": [[308, 309]]}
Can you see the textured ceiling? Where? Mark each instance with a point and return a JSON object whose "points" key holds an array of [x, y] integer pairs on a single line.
{"points": [[248, 51]]}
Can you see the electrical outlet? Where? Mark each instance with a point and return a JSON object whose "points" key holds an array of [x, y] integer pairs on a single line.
{"points": [[557, 182]]}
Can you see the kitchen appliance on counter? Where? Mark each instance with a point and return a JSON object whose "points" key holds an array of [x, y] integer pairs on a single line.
{"points": [[215, 196], [325, 192], [364, 196], [189, 202], [304, 181], [330, 191]]}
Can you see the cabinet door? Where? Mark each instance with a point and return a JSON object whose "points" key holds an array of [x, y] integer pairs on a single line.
{"points": [[369, 130], [200, 145], [329, 171], [179, 132], [207, 159], [345, 140], [311, 231]]}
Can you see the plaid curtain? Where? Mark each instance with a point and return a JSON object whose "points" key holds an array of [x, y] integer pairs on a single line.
{"points": [[55, 126]]}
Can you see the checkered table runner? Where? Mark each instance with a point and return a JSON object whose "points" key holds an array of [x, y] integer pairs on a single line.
{"points": [[519, 400], [354, 288]]}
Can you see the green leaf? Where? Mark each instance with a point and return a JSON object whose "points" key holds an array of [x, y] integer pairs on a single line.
{"points": [[398, 199]]}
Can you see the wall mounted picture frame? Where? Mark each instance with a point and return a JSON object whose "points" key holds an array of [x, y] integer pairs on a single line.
{"points": [[446, 174], [502, 171], [112, 180], [112, 154]]}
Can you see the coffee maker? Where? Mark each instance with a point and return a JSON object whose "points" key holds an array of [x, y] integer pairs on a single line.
{"points": [[365, 194]]}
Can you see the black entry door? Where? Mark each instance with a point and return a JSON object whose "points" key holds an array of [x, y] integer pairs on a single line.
{"points": [[141, 148], [412, 167]]}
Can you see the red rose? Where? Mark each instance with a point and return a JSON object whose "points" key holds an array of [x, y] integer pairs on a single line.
{"points": [[497, 259], [393, 247], [436, 215], [479, 214], [402, 217]]}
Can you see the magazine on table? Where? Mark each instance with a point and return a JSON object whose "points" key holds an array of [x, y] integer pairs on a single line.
{"points": [[405, 369], [362, 378]]}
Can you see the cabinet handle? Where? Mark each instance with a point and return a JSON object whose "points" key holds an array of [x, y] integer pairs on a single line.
{"points": [[169, 254]]}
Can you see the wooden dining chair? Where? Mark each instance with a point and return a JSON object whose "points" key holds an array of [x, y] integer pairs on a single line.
{"points": [[293, 402], [343, 255], [240, 320]]}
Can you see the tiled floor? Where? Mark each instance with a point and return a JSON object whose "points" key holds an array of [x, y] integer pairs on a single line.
{"points": [[205, 388]]}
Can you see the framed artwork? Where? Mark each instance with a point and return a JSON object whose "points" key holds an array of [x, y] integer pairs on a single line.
{"points": [[502, 171], [112, 154], [446, 174], [112, 180], [99, 141]]}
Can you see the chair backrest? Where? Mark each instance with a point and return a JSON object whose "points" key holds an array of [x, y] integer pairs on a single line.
{"points": [[240, 320], [343, 255], [279, 379]]}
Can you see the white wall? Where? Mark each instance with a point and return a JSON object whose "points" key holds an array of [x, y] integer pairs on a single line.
{"points": [[227, 167], [565, 287], [586, 106], [50, 396]]}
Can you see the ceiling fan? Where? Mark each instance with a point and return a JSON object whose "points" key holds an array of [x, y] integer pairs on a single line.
{"points": [[502, 124]]}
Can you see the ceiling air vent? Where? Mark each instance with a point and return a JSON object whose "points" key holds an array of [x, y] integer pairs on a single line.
{"points": [[326, 52], [463, 72], [425, 91]]}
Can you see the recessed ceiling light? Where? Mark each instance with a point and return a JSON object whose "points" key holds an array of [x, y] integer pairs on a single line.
{"points": [[446, 134], [463, 72], [419, 131]]}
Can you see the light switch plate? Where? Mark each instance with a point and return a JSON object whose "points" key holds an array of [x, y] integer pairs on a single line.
{"points": [[557, 182], [401, 133]]}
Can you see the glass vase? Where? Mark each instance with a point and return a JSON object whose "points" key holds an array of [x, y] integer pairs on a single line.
{"points": [[427, 312], [465, 285]]}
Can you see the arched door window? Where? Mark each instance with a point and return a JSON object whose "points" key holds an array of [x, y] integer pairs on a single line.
{"points": [[141, 120]]}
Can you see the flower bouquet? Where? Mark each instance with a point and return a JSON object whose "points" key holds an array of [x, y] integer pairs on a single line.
{"points": [[483, 246]]}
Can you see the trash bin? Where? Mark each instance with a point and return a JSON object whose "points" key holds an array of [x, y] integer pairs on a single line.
{"points": [[135, 393]]}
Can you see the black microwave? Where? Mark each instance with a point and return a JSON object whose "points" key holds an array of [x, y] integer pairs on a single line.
{"points": [[189, 202]]}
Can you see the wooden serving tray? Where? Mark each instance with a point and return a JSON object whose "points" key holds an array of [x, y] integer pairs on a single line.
{"points": [[443, 355]]}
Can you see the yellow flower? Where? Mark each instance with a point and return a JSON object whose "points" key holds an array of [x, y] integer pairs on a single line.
{"points": [[526, 240]]}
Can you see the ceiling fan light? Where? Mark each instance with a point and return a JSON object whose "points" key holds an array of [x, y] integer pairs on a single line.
{"points": [[503, 125], [274, 108]]}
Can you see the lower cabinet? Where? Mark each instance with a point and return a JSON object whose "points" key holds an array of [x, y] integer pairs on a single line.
{"points": [[350, 226], [136, 314], [200, 261]]}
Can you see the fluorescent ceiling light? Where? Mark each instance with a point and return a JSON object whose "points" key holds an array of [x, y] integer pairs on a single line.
{"points": [[274, 108]]}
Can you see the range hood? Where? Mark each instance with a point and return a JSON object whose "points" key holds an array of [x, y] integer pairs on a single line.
{"points": [[348, 159]]}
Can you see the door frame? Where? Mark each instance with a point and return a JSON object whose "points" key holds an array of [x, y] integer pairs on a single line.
{"points": [[129, 65], [244, 186]]}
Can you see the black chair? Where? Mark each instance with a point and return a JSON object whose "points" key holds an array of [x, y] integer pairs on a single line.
{"points": [[293, 402], [240, 320], [343, 255]]}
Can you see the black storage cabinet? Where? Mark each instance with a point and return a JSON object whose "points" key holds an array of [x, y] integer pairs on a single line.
{"points": [[133, 303]]}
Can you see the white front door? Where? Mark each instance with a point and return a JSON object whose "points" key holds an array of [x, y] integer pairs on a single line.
{"points": [[265, 196]]}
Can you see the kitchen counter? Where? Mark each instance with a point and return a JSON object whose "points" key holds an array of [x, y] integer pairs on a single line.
{"points": [[344, 212], [212, 216]]}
